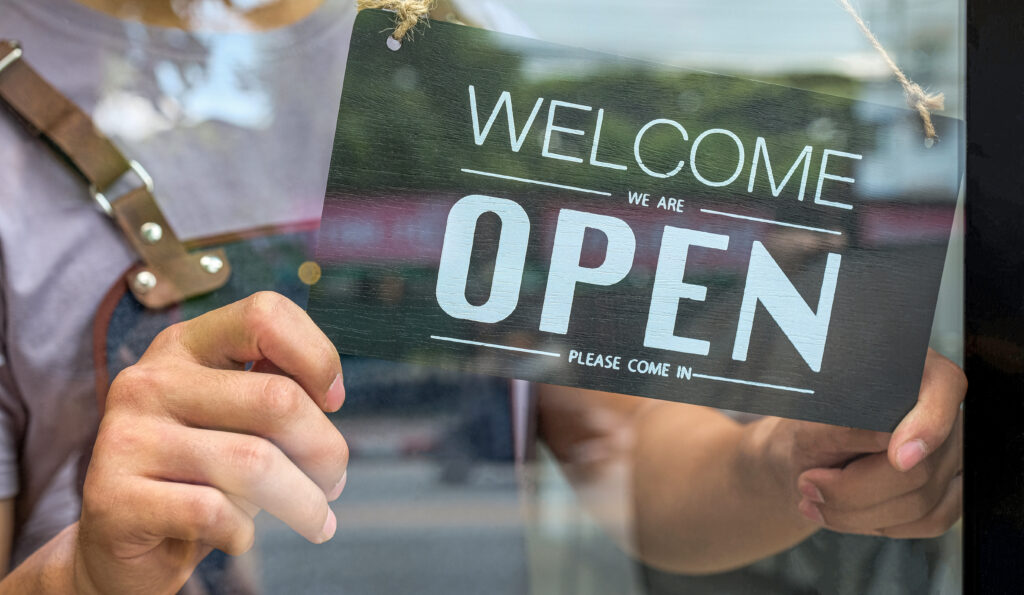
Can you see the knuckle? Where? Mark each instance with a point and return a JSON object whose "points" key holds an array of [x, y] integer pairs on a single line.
{"points": [[242, 539], [98, 500], [169, 336], [280, 399], [205, 513], [253, 456], [342, 451], [331, 451], [327, 461], [263, 307], [335, 456], [109, 504], [132, 384], [118, 436]]}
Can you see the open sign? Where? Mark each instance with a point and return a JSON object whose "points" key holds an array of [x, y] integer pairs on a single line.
{"points": [[766, 282], [510, 207]]}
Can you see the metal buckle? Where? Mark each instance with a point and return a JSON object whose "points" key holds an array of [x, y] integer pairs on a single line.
{"points": [[102, 200], [12, 56]]}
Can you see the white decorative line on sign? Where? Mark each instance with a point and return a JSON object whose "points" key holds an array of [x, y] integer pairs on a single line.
{"points": [[782, 223], [506, 347], [538, 182], [791, 389]]}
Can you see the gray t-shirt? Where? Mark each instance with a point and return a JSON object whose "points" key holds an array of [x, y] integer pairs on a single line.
{"points": [[236, 129]]}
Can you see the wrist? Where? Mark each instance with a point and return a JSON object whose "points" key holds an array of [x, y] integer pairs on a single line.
{"points": [[81, 581], [51, 569], [767, 466]]}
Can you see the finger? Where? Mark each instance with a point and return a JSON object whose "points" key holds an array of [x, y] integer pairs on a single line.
{"points": [[872, 480], [194, 513], [868, 481], [250, 468], [265, 366], [929, 423], [268, 326], [839, 443], [266, 405], [897, 511], [870, 487], [250, 509], [936, 522]]}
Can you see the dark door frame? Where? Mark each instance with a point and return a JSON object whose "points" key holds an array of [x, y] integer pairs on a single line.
{"points": [[994, 299]]}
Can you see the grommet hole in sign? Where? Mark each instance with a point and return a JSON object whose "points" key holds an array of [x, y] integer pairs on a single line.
{"points": [[408, 14]]}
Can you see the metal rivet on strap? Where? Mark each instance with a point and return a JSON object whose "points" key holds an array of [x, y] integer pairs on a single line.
{"points": [[211, 264], [12, 56], [144, 282], [151, 232]]}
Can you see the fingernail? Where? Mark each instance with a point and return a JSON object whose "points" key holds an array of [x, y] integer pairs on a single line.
{"points": [[330, 526], [811, 492], [910, 454], [811, 512], [335, 394], [336, 491]]}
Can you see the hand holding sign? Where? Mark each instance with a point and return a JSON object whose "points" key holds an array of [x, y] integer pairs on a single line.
{"points": [[912, 489], [708, 494], [191, 447]]}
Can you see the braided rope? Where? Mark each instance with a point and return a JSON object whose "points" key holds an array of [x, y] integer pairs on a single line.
{"points": [[924, 103], [408, 13]]}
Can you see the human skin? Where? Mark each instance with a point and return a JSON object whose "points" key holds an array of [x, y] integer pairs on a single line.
{"points": [[181, 467], [707, 494]]}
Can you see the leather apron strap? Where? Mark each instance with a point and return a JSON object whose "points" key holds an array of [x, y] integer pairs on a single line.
{"points": [[169, 273]]}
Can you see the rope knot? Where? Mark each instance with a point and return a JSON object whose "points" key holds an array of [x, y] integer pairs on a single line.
{"points": [[923, 103], [408, 13], [917, 98]]}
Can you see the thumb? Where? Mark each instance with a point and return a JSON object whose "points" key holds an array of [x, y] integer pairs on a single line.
{"points": [[929, 423]]}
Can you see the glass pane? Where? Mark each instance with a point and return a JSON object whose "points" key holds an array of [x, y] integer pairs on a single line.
{"points": [[456, 482], [813, 46]]}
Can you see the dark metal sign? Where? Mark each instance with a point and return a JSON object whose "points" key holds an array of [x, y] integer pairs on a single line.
{"points": [[517, 208]]}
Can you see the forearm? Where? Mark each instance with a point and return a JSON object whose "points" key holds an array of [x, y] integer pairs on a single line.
{"points": [[685, 488], [710, 494], [51, 569]]}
